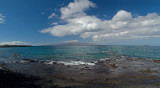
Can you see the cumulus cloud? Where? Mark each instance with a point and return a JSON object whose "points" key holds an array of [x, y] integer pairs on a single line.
{"points": [[51, 16], [122, 26], [54, 23], [2, 19], [71, 41], [13, 43], [76, 8]]}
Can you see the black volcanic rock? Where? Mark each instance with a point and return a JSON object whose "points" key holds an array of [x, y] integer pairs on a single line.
{"points": [[10, 79]]}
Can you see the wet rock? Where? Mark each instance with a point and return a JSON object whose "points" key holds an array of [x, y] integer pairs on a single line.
{"points": [[68, 66], [86, 68], [106, 79], [99, 62], [114, 66], [29, 60], [61, 64], [156, 61], [149, 71], [10, 79], [4, 66], [91, 62], [42, 61], [54, 62]]}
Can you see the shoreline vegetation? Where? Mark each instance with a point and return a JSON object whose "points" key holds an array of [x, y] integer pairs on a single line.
{"points": [[117, 72], [15, 46]]}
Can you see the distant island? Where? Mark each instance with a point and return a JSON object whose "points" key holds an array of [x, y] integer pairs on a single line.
{"points": [[144, 45], [15, 45], [71, 44]]}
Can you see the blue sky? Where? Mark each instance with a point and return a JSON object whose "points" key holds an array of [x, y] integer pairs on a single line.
{"points": [[117, 22]]}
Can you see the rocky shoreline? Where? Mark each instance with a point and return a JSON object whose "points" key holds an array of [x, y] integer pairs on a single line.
{"points": [[117, 72], [9, 79]]}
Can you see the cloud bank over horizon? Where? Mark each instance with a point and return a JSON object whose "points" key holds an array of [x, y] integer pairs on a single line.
{"points": [[13, 43], [123, 26]]}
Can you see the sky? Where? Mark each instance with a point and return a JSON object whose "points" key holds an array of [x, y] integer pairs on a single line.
{"points": [[107, 22]]}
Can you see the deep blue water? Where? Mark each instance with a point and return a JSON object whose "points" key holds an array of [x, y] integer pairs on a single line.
{"points": [[79, 53]]}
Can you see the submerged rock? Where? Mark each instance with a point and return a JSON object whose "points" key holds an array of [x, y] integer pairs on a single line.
{"points": [[29, 60]]}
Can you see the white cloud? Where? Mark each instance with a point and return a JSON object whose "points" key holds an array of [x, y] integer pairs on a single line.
{"points": [[76, 8], [2, 19], [51, 16], [13, 43], [54, 23], [122, 26], [71, 41]]}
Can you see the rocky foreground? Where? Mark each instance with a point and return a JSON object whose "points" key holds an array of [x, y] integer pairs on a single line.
{"points": [[118, 72]]}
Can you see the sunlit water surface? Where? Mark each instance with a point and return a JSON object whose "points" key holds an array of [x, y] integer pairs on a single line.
{"points": [[78, 53]]}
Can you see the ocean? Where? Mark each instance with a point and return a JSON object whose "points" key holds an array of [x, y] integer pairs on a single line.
{"points": [[78, 54]]}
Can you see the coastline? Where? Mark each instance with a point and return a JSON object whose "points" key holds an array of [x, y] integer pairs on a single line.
{"points": [[119, 72], [2, 46]]}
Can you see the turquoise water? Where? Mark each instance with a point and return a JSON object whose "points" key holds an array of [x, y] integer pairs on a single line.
{"points": [[78, 53]]}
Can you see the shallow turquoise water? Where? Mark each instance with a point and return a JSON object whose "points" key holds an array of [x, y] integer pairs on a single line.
{"points": [[79, 53]]}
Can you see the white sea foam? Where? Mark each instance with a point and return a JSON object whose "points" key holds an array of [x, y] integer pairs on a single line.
{"points": [[104, 51], [49, 62], [78, 63], [104, 59], [71, 63], [23, 61]]}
